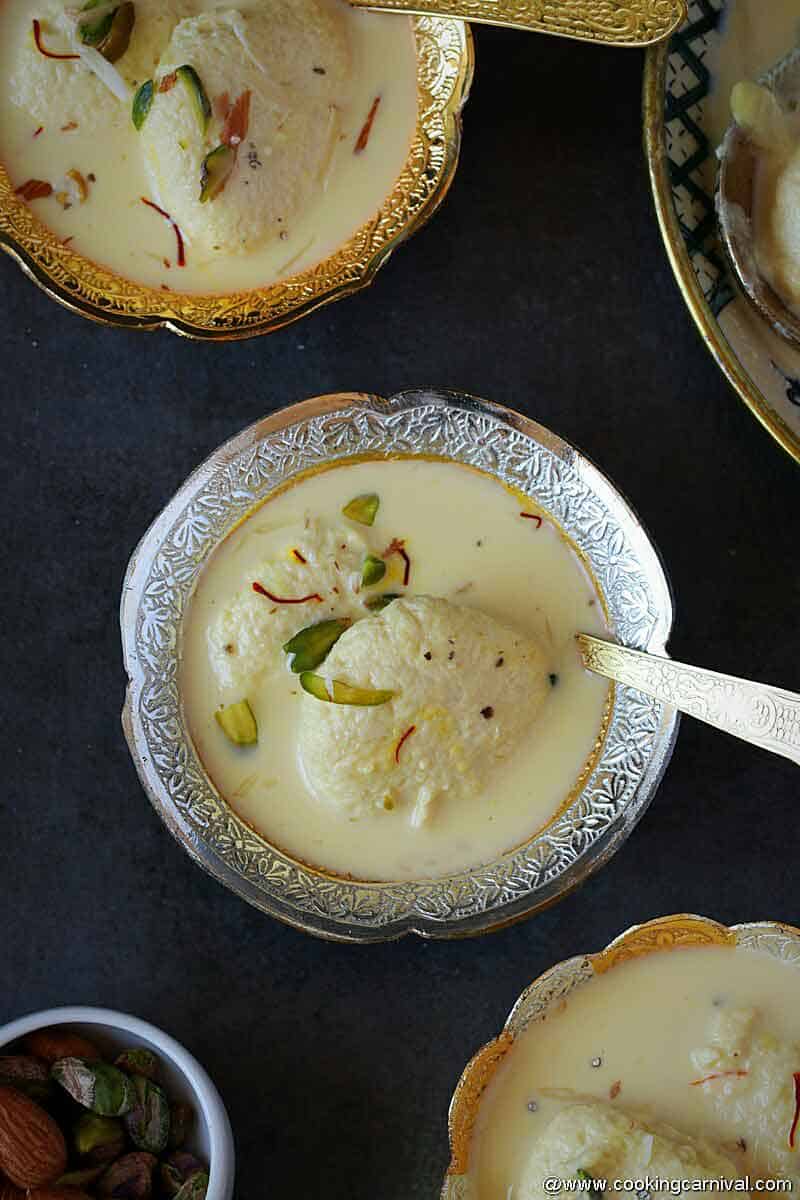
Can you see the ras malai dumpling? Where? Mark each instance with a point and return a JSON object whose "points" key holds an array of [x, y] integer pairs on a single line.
{"points": [[271, 76], [59, 94], [461, 715], [601, 1141], [750, 1080], [379, 671], [246, 637]]}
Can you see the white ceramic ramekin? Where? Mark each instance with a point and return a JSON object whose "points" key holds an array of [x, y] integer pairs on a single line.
{"points": [[182, 1075]]}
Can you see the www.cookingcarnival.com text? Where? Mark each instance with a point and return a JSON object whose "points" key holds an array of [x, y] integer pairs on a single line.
{"points": [[653, 1185]]}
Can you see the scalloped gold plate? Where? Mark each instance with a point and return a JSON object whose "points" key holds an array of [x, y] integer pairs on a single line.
{"points": [[445, 64], [653, 937]]}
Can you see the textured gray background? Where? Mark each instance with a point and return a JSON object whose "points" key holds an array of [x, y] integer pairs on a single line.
{"points": [[542, 284]]}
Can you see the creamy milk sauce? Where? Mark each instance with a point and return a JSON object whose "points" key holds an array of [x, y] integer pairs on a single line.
{"points": [[468, 544], [641, 1020], [115, 229]]}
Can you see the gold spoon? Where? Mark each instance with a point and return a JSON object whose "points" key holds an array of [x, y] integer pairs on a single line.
{"points": [[755, 712], [736, 194], [609, 22]]}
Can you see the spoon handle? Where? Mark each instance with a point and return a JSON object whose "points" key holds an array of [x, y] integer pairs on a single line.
{"points": [[755, 712], [612, 22]]}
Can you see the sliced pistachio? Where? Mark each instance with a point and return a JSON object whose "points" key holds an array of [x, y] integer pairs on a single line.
{"points": [[117, 40], [93, 29], [216, 171], [373, 570], [378, 603], [312, 645], [334, 691], [142, 102], [363, 509], [197, 93], [238, 723]]}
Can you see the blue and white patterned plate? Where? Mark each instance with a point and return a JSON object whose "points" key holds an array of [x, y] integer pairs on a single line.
{"points": [[687, 85]]}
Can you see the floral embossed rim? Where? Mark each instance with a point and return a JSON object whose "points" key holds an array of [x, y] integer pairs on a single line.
{"points": [[160, 577], [445, 63], [652, 937]]}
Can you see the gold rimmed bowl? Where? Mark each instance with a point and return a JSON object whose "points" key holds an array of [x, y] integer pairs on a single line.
{"points": [[553, 988], [632, 750], [445, 61]]}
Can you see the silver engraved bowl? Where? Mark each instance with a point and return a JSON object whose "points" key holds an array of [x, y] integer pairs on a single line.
{"points": [[630, 757], [660, 936]]}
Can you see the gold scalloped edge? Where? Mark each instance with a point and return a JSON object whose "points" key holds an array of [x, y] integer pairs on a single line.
{"points": [[655, 75], [467, 1098], [635, 23], [664, 933], [550, 990], [445, 65]]}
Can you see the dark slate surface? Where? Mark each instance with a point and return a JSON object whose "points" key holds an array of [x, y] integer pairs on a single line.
{"points": [[542, 284]]}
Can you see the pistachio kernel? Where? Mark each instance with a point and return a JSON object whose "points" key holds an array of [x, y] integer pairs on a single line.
{"points": [[238, 723], [373, 570], [117, 40], [92, 29], [363, 509], [197, 94], [142, 103], [311, 645], [215, 171], [334, 691]]}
